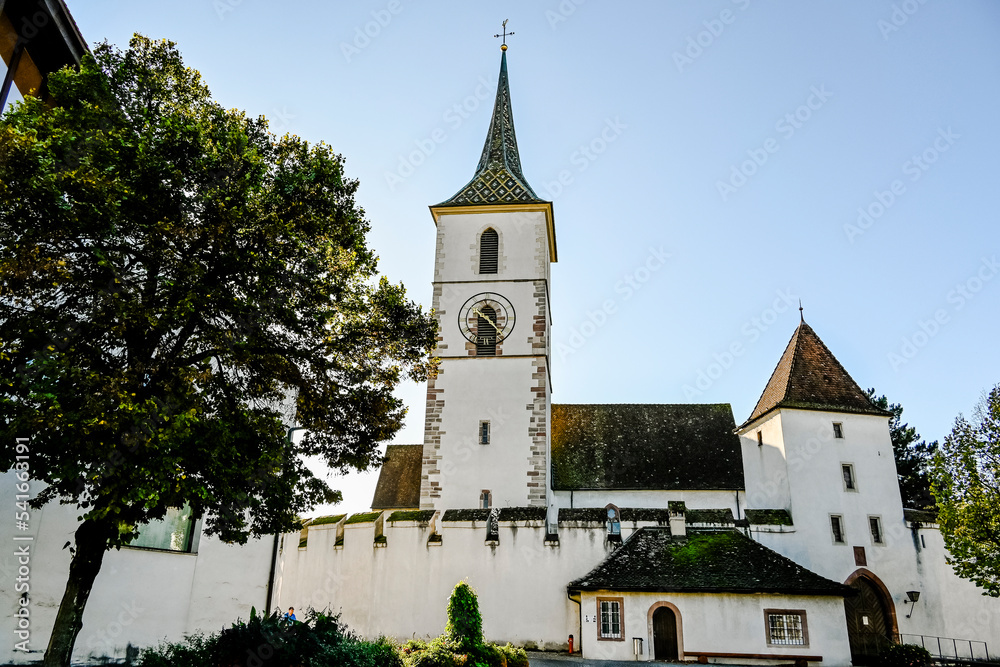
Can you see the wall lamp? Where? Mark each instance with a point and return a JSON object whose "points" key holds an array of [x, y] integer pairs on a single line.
{"points": [[912, 596]]}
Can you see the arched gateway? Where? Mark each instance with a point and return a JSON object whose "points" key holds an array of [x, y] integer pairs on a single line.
{"points": [[871, 617]]}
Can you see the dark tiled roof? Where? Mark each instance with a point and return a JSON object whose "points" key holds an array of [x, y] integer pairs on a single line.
{"points": [[716, 562], [466, 515], [523, 513], [920, 516], [506, 514], [420, 516], [808, 376], [498, 178], [399, 481], [768, 517], [689, 447], [600, 514], [710, 516], [324, 520]]}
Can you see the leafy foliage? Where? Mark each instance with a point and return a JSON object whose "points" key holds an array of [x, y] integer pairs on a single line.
{"points": [[178, 284], [270, 641], [966, 484], [905, 655], [913, 458], [465, 623], [462, 644]]}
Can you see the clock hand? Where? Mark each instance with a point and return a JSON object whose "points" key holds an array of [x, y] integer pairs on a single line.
{"points": [[492, 323]]}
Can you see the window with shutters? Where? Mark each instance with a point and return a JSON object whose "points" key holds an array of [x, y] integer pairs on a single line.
{"points": [[837, 528], [850, 483], [489, 251], [875, 526], [486, 332]]}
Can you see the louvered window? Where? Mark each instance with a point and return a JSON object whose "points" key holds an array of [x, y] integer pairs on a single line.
{"points": [[489, 248], [486, 333]]}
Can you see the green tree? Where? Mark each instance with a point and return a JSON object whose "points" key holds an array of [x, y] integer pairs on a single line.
{"points": [[913, 456], [172, 278], [966, 483], [465, 623]]}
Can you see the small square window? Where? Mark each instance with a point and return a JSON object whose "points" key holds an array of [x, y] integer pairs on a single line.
{"points": [[837, 527], [610, 619], [838, 430], [786, 627], [850, 484], [875, 525], [484, 432]]}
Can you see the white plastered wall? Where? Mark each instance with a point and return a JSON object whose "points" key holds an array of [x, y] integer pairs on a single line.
{"points": [[720, 623], [141, 596]]}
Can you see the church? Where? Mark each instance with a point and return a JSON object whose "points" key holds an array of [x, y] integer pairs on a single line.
{"points": [[631, 532], [617, 531]]}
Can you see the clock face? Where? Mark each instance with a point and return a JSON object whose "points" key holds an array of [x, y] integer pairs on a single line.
{"points": [[494, 312]]}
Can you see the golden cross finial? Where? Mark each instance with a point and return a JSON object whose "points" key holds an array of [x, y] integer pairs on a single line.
{"points": [[503, 47]]}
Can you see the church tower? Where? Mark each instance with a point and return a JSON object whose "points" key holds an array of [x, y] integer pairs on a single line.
{"points": [[486, 433]]}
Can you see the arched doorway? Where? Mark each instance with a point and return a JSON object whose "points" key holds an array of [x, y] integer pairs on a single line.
{"points": [[871, 617], [664, 634]]}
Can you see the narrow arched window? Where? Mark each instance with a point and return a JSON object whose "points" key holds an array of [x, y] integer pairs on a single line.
{"points": [[486, 332], [489, 248]]}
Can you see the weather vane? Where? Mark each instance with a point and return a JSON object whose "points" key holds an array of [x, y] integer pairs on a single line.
{"points": [[801, 316], [503, 47]]}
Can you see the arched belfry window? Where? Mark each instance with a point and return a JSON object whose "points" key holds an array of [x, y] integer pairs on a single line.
{"points": [[614, 524], [489, 248], [486, 333]]}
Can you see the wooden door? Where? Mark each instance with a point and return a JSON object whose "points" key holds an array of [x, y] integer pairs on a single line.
{"points": [[664, 634], [868, 626]]}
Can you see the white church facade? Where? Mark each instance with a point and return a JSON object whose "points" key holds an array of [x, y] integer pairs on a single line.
{"points": [[665, 529], [642, 532]]}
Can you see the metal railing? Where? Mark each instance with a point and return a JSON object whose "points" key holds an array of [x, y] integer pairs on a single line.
{"points": [[949, 648]]}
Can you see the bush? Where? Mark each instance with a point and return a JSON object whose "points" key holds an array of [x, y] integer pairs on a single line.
{"points": [[462, 644], [270, 641], [515, 655], [465, 623], [905, 655], [436, 653]]}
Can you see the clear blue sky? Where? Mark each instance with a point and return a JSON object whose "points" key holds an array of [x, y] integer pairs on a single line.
{"points": [[650, 113]]}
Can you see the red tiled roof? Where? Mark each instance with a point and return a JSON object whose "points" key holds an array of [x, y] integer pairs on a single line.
{"points": [[808, 376]]}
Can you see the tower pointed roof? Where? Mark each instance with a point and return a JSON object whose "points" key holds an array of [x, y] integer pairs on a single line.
{"points": [[809, 377], [498, 178]]}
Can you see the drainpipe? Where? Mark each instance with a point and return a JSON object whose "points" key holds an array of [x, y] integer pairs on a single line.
{"points": [[274, 549], [578, 645], [270, 579]]}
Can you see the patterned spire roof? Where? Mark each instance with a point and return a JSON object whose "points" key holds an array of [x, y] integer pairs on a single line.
{"points": [[808, 376], [498, 178]]}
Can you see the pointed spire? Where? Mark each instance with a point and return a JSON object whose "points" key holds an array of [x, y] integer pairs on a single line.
{"points": [[498, 178], [809, 377]]}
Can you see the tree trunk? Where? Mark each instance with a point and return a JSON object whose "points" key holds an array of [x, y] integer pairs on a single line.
{"points": [[91, 543]]}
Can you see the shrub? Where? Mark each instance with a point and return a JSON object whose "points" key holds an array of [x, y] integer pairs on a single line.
{"points": [[465, 624], [905, 655], [436, 653], [515, 655], [270, 641]]}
